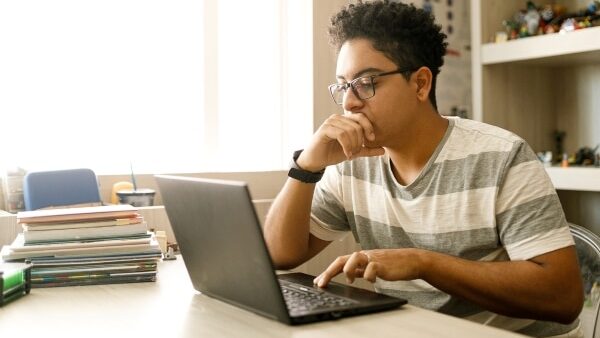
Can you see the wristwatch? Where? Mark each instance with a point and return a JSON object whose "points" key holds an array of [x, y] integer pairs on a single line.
{"points": [[300, 174]]}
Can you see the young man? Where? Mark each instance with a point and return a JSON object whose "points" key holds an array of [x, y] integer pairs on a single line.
{"points": [[453, 215]]}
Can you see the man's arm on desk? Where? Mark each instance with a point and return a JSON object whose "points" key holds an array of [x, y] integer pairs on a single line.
{"points": [[546, 287]]}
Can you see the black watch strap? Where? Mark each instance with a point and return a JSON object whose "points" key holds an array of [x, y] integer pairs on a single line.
{"points": [[303, 175]]}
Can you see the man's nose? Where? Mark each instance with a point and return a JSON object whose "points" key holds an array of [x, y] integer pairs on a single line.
{"points": [[351, 101]]}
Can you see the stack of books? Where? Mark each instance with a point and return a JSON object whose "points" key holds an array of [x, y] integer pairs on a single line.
{"points": [[85, 246]]}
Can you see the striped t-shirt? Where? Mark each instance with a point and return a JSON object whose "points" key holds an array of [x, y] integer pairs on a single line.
{"points": [[483, 195]]}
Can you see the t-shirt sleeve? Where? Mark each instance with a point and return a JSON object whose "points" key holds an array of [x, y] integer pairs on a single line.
{"points": [[529, 216], [328, 216]]}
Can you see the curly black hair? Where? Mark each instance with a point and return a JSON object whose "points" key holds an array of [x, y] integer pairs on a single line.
{"points": [[406, 35]]}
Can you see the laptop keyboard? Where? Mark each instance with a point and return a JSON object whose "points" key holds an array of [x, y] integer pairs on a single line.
{"points": [[300, 298]]}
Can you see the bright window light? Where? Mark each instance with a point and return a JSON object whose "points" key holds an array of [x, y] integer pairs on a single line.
{"points": [[168, 86]]}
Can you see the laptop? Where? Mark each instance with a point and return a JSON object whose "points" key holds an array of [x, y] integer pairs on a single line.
{"points": [[222, 245]]}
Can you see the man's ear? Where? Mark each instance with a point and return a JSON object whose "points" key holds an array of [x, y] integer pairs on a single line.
{"points": [[423, 78]]}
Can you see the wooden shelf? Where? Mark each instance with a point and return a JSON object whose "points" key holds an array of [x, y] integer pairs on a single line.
{"points": [[575, 178], [577, 47], [537, 85]]}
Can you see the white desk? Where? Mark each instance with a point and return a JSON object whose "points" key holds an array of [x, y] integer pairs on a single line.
{"points": [[171, 308]]}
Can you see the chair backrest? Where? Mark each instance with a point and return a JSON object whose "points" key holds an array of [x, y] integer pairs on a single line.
{"points": [[43, 189], [587, 244]]}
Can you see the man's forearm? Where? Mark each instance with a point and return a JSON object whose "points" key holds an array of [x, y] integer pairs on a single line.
{"points": [[287, 224], [544, 289]]}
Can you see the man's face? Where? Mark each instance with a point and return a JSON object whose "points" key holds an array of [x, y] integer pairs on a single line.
{"points": [[392, 109]]}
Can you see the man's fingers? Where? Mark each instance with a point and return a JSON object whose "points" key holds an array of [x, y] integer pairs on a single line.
{"points": [[332, 270], [355, 266], [370, 273], [353, 133], [345, 140], [344, 137], [348, 133], [366, 125]]}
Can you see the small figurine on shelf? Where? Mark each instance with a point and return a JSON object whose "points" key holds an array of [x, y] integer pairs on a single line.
{"points": [[512, 29], [523, 32], [532, 18], [550, 28], [594, 156], [565, 160], [585, 156], [585, 23], [553, 22], [591, 8], [545, 157], [547, 14], [568, 25], [501, 37], [559, 137]]}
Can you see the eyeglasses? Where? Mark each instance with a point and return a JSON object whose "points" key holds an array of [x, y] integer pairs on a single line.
{"points": [[362, 87]]}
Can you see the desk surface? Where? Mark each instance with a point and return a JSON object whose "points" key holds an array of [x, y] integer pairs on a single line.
{"points": [[171, 308]]}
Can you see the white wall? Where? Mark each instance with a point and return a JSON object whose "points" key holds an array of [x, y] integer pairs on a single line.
{"points": [[324, 60]]}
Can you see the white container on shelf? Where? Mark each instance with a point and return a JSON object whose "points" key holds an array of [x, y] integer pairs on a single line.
{"points": [[12, 188]]}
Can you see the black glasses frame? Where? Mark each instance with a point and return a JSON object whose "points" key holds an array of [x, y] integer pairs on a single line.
{"points": [[344, 87]]}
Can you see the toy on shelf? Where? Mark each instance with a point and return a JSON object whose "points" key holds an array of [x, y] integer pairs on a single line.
{"points": [[532, 18], [548, 19], [559, 137], [545, 157], [586, 156], [565, 161]]}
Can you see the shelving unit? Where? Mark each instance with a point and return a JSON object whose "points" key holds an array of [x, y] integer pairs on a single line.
{"points": [[537, 85]]}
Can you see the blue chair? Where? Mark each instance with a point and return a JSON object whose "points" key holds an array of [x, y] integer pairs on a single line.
{"points": [[587, 244], [43, 189]]}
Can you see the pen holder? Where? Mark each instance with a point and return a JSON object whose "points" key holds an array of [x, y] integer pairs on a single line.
{"points": [[137, 198]]}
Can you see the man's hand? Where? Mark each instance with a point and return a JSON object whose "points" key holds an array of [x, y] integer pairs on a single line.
{"points": [[340, 138], [388, 264]]}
